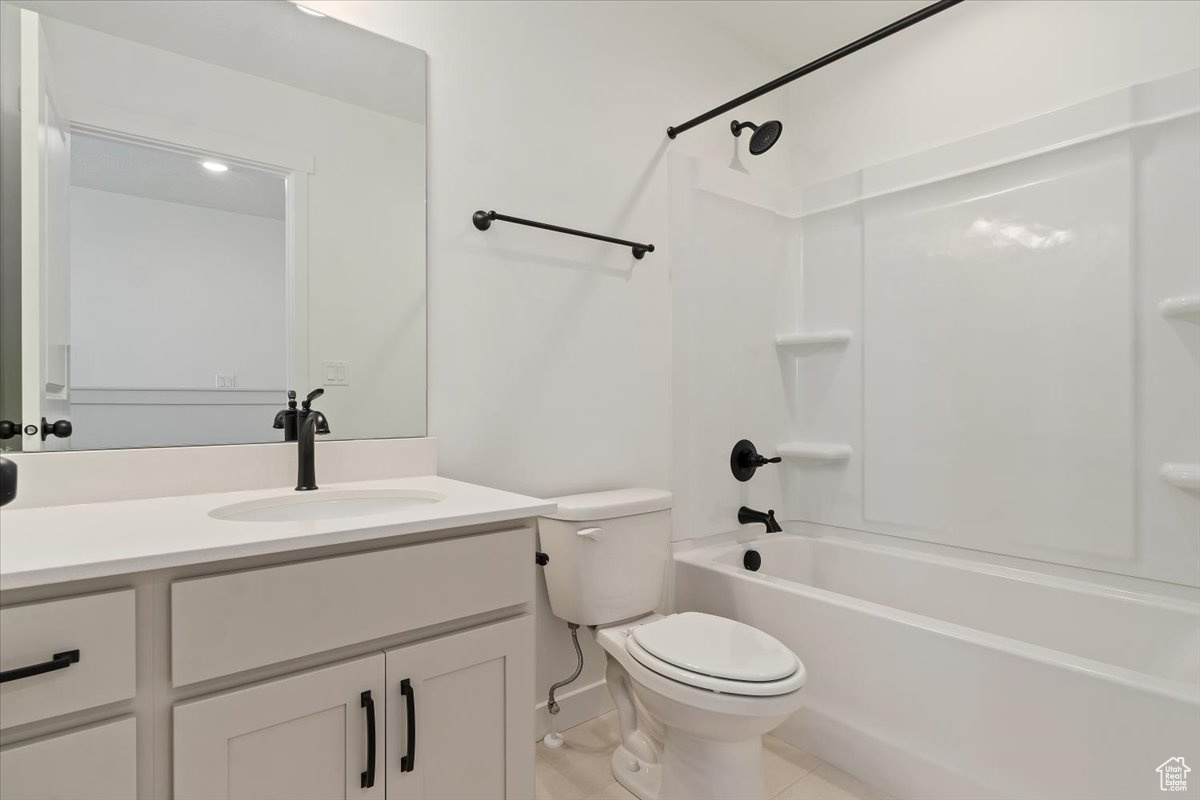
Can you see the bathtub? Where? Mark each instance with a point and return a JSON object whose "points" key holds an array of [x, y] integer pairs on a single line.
{"points": [[936, 677]]}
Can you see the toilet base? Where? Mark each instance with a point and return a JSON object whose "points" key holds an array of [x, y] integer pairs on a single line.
{"points": [[711, 770], [643, 779], [694, 769]]}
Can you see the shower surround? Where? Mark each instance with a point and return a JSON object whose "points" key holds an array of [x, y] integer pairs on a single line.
{"points": [[981, 366]]}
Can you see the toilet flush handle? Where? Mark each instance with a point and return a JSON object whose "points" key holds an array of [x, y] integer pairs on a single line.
{"points": [[588, 533]]}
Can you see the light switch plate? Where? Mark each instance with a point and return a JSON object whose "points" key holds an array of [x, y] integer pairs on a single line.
{"points": [[335, 373], [226, 381]]}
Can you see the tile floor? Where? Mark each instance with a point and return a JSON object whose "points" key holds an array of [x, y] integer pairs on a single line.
{"points": [[580, 770]]}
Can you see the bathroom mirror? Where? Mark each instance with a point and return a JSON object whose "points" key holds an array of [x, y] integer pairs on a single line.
{"points": [[205, 205]]}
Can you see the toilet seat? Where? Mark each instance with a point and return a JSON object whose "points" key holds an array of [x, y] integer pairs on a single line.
{"points": [[717, 654]]}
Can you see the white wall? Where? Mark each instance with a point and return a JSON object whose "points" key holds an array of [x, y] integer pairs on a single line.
{"points": [[549, 355], [167, 295], [976, 67]]}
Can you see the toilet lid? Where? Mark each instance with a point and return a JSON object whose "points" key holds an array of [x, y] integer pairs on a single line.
{"points": [[716, 646]]}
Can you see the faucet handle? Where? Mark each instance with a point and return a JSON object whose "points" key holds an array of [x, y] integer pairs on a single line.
{"points": [[745, 460], [313, 395]]}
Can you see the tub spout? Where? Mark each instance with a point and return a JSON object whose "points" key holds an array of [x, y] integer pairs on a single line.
{"points": [[748, 516]]}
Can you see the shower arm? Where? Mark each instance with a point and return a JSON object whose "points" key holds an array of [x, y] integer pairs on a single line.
{"points": [[812, 66], [483, 221]]}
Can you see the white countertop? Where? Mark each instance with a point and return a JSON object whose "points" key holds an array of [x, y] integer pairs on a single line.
{"points": [[67, 543]]}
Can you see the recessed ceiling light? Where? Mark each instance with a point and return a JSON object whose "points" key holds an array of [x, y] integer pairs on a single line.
{"points": [[214, 166], [309, 11]]}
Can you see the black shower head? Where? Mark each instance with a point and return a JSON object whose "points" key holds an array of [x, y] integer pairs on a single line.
{"points": [[765, 135]]}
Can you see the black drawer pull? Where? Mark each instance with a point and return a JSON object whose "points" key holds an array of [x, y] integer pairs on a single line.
{"points": [[367, 779], [56, 662], [410, 701]]}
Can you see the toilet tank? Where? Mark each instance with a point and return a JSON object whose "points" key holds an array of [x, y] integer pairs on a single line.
{"points": [[608, 554]]}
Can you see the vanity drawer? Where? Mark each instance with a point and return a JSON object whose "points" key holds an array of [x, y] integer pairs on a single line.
{"points": [[228, 623], [101, 627], [97, 762]]}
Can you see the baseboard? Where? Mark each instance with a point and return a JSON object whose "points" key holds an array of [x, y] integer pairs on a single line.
{"points": [[574, 707]]}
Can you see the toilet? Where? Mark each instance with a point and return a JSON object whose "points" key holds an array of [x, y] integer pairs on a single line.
{"points": [[710, 686]]}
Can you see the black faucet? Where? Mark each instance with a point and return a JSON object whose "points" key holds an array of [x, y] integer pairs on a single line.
{"points": [[285, 420], [309, 423], [748, 516]]}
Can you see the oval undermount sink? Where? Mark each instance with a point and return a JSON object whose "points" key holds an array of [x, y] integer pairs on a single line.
{"points": [[323, 505]]}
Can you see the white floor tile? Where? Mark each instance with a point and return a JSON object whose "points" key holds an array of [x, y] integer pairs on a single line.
{"points": [[614, 791], [586, 758], [550, 784], [581, 769], [783, 765], [830, 783]]}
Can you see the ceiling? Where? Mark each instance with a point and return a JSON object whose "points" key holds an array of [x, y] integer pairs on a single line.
{"points": [[794, 32], [112, 165]]}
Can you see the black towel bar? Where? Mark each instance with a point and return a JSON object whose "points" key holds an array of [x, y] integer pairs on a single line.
{"points": [[483, 221]]}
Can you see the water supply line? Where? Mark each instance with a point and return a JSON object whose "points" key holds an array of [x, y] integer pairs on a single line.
{"points": [[554, 739]]}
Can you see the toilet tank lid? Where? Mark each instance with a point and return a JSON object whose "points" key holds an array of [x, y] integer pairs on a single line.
{"points": [[607, 505]]}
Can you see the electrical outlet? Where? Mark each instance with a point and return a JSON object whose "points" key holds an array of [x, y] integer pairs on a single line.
{"points": [[226, 381], [337, 373]]}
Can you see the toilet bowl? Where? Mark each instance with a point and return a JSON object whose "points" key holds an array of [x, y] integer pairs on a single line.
{"points": [[694, 692], [712, 725]]}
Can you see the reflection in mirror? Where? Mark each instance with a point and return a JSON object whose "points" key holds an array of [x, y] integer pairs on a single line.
{"points": [[216, 203]]}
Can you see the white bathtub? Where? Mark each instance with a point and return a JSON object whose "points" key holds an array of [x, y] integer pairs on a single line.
{"points": [[934, 677]]}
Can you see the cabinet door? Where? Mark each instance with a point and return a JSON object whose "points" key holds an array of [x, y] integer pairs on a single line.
{"points": [[304, 737], [468, 700], [96, 763]]}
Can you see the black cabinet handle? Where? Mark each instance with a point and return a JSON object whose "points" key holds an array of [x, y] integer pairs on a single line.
{"points": [[57, 661], [367, 779], [410, 701]]}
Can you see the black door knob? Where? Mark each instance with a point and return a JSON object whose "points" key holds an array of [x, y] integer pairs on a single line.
{"points": [[8, 481], [8, 429], [61, 429]]}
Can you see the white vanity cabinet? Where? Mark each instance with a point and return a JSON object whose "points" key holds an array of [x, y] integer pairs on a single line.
{"points": [[457, 715], [312, 736], [445, 718], [397, 668]]}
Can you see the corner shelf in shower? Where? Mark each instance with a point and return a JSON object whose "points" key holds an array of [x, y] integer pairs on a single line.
{"points": [[806, 340], [814, 451], [1185, 476], [1184, 306]]}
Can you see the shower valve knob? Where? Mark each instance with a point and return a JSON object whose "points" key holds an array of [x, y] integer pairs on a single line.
{"points": [[745, 460]]}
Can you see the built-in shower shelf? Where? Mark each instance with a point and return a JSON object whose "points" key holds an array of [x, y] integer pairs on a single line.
{"points": [[805, 340], [1185, 476], [1184, 306], [816, 451]]}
